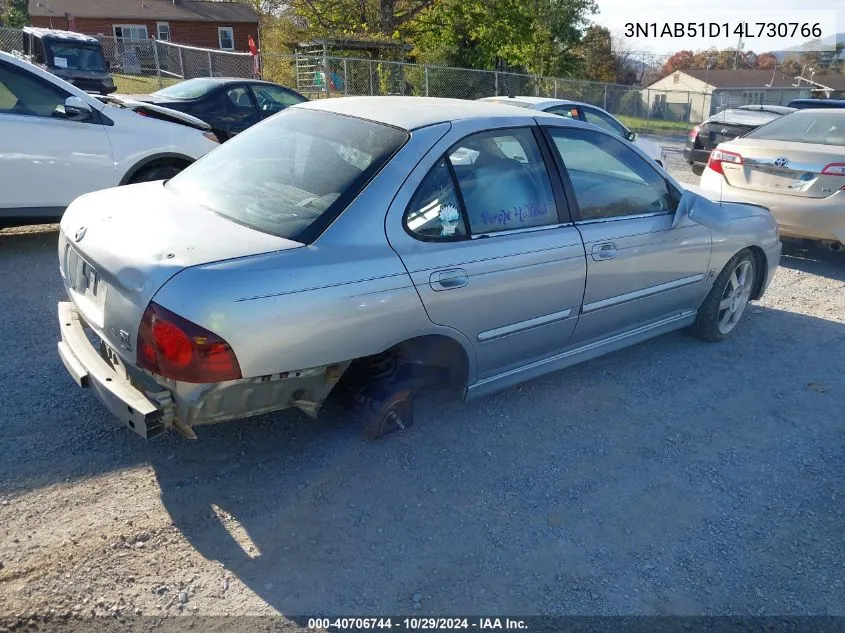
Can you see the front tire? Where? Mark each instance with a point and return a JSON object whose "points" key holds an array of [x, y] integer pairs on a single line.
{"points": [[727, 300]]}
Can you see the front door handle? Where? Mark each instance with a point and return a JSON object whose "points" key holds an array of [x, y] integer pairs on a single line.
{"points": [[606, 250], [448, 279]]}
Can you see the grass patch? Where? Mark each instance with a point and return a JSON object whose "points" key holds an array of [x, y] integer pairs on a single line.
{"points": [[135, 84], [646, 126]]}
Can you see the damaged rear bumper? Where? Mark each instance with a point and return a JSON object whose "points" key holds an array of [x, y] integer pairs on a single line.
{"points": [[146, 414], [161, 403]]}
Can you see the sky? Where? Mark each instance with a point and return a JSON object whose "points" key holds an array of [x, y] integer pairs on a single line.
{"points": [[615, 13]]}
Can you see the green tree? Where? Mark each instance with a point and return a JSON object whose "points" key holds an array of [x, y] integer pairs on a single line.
{"points": [[601, 62], [16, 14], [533, 36], [370, 19]]}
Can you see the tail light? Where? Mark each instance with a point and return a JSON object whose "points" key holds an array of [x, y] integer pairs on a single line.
{"points": [[693, 133], [834, 169], [719, 156], [173, 347]]}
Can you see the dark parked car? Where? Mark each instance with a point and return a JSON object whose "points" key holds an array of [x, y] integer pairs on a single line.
{"points": [[228, 105], [74, 57], [726, 126], [802, 104]]}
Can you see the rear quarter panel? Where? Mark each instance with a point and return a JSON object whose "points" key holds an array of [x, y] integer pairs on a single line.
{"points": [[345, 296]]}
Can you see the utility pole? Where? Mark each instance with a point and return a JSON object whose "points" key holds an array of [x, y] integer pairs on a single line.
{"points": [[738, 47]]}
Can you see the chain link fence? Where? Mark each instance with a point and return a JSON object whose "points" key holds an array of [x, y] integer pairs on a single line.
{"points": [[144, 65]]}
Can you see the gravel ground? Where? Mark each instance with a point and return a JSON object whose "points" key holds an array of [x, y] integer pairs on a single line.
{"points": [[674, 477]]}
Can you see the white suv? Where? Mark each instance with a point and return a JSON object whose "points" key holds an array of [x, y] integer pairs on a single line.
{"points": [[58, 142]]}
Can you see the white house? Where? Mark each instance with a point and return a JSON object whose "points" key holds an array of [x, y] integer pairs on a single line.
{"points": [[693, 95]]}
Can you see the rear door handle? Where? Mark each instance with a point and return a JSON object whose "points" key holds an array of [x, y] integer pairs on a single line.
{"points": [[448, 279], [606, 250]]}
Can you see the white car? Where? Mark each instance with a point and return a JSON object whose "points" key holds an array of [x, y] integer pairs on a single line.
{"points": [[58, 142], [588, 113]]}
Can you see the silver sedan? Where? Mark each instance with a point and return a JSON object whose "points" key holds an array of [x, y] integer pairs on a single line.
{"points": [[366, 248]]}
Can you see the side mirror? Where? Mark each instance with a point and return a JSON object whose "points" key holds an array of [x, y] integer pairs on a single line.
{"points": [[695, 208], [631, 136], [75, 109]]}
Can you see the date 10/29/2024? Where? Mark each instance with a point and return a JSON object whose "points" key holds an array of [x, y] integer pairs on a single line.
{"points": [[417, 624], [745, 30]]}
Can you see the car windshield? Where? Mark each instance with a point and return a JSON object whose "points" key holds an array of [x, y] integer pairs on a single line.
{"points": [[292, 174], [76, 56], [824, 128], [188, 90]]}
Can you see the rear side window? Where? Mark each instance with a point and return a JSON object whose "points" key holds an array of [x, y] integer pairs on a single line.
{"points": [[434, 211], [486, 183], [824, 128], [292, 175], [570, 112]]}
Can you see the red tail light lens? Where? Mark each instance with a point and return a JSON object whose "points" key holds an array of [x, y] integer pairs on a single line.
{"points": [[173, 347], [834, 169], [693, 133], [719, 156]]}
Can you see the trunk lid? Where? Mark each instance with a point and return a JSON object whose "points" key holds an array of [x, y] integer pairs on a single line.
{"points": [[118, 247], [156, 111], [712, 133], [784, 167], [731, 124]]}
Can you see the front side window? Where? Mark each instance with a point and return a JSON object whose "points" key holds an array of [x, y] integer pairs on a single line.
{"points": [[272, 99], [604, 121], [226, 38], [610, 180], [293, 174], [23, 94]]}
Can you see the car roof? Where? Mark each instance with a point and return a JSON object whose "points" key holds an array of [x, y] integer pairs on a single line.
{"points": [[411, 113], [534, 103], [229, 80], [804, 104], [58, 34]]}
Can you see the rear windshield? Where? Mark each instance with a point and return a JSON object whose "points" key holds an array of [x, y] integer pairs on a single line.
{"points": [[75, 56], [824, 128], [292, 174], [188, 90]]}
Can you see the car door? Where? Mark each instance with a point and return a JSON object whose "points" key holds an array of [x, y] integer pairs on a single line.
{"points": [[640, 269], [484, 232], [46, 160]]}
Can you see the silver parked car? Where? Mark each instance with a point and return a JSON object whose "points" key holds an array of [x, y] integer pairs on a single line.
{"points": [[590, 114], [370, 246]]}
